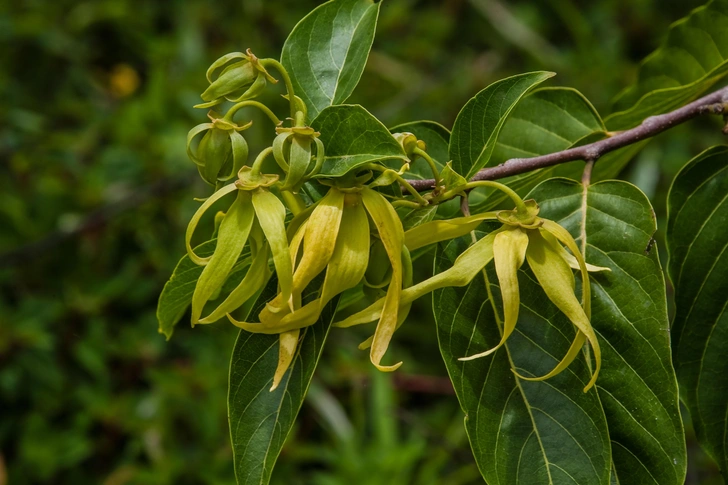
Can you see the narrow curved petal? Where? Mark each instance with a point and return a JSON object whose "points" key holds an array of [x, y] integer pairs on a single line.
{"points": [[287, 344], [442, 230], [240, 154], [576, 347], [509, 250], [320, 157], [556, 278], [568, 257], [392, 236], [196, 219], [254, 280], [279, 143], [231, 239], [221, 61], [466, 266], [271, 215]]}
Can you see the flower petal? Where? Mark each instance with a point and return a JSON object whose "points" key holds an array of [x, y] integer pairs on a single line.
{"points": [[466, 266], [190, 136], [254, 280], [509, 249], [231, 239], [196, 219], [392, 236], [556, 279], [298, 161], [568, 257], [287, 343], [240, 154], [442, 230], [271, 215]]}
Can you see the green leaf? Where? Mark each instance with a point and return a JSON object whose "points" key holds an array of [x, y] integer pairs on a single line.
{"points": [[176, 296], [261, 420], [615, 222], [353, 137], [436, 137], [478, 124], [326, 52], [692, 59], [697, 240], [636, 395]]}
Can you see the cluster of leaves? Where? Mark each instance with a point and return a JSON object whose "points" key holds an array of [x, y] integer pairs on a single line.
{"points": [[627, 431]]}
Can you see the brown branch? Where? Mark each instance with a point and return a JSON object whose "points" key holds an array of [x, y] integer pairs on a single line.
{"points": [[714, 103]]}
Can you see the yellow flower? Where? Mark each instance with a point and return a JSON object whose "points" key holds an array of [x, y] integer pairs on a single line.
{"points": [[523, 237], [336, 237]]}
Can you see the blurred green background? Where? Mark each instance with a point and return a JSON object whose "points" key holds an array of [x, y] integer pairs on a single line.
{"points": [[96, 190]]}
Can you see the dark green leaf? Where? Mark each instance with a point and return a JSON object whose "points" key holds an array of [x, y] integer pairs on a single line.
{"points": [[478, 124], [352, 137], [693, 58], [326, 52], [636, 390], [176, 296], [261, 420], [435, 136], [697, 238]]}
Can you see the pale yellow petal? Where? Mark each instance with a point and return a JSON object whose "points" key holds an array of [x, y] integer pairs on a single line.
{"points": [[442, 230], [287, 344]]}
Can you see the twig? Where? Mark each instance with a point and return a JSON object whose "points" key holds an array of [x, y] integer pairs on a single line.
{"points": [[714, 103]]}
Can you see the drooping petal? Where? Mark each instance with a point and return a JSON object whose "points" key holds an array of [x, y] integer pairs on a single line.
{"points": [[254, 280], [320, 157], [568, 257], [271, 215], [221, 61], [287, 343], [392, 236], [319, 239], [279, 144], [196, 219], [231, 239], [556, 278], [509, 250], [466, 266], [442, 230]]}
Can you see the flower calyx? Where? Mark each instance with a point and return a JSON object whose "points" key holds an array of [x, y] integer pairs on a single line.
{"points": [[525, 217]]}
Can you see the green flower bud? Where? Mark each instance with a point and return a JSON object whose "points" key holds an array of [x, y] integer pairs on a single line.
{"points": [[242, 77], [221, 152]]}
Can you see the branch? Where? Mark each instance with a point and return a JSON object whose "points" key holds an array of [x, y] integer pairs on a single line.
{"points": [[714, 103]]}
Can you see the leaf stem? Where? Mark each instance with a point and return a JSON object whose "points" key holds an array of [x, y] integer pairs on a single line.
{"points": [[430, 162]]}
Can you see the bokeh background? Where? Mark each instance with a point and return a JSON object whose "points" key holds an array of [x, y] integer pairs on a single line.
{"points": [[96, 190]]}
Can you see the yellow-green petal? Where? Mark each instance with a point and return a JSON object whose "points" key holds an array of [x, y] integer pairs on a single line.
{"points": [[466, 266], [254, 280], [287, 343], [231, 239], [556, 278], [509, 251], [443, 230], [298, 161], [271, 215], [568, 257], [392, 236], [196, 219]]}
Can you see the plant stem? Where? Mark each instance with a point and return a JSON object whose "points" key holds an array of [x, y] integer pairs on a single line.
{"points": [[234, 109], [520, 205], [431, 163], [286, 79], [258, 163], [714, 103]]}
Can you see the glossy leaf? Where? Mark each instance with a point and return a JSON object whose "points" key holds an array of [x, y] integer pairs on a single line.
{"points": [[632, 417], [326, 52], [436, 137], [697, 238], [478, 124], [261, 420], [176, 296], [549, 120], [692, 59], [353, 137]]}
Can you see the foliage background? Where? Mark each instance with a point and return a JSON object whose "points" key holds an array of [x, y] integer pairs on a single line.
{"points": [[96, 190]]}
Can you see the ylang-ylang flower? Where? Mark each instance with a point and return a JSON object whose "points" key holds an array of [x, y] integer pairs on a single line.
{"points": [[335, 237], [524, 237]]}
